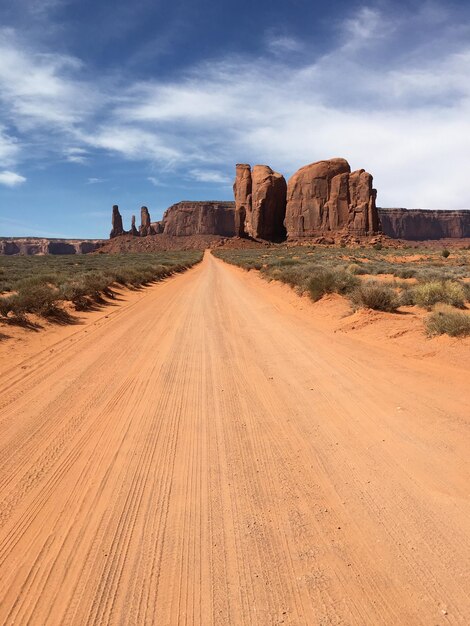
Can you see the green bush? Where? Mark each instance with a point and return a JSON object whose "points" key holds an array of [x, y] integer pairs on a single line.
{"points": [[406, 296], [428, 294], [39, 299], [324, 280], [356, 269], [446, 320], [38, 282], [445, 253], [374, 295], [406, 272]]}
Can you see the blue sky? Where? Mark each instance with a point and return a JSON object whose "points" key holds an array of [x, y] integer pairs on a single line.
{"points": [[153, 102]]}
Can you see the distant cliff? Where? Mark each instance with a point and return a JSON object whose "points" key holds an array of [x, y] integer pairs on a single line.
{"points": [[38, 245], [199, 218], [422, 224]]}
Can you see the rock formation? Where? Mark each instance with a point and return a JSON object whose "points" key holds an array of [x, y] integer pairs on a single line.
{"points": [[29, 246], [325, 196], [117, 228], [260, 202], [200, 218], [133, 231], [242, 188], [156, 228], [421, 224], [145, 227]]}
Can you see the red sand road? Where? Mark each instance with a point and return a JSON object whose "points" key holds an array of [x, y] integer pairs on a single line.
{"points": [[207, 454]]}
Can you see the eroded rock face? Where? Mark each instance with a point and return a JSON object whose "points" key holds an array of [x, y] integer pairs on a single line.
{"points": [[145, 227], [268, 204], [157, 227], [133, 231], [325, 196], [200, 218], [242, 189], [117, 228], [422, 224], [260, 202]]}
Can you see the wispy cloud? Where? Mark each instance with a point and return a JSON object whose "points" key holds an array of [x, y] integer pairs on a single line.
{"points": [[42, 89], [95, 181], [11, 179], [367, 24], [9, 148], [156, 182], [210, 176], [283, 44], [377, 97], [76, 155]]}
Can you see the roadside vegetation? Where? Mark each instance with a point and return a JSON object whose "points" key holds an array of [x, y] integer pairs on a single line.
{"points": [[383, 279], [42, 285]]}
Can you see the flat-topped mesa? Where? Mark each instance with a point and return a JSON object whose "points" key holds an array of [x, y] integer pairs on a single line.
{"points": [[422, 224], [117, 228], [200, 218], [260, 202], [326, 196], [29, 246]]}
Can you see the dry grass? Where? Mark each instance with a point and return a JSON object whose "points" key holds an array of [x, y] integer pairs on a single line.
{"points": [[446, 320], [39, 284], [319, 270]]}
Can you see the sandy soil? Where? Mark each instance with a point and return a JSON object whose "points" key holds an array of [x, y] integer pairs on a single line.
{"points": [[210, 452]]}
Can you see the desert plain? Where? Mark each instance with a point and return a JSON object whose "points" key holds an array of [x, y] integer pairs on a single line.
{"points": [[218, 448]]}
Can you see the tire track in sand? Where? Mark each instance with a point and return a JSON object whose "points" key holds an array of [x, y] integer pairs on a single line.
{"points": [[208, 456]]}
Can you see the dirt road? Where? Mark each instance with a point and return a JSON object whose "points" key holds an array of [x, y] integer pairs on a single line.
{"points": [[208, 455]]}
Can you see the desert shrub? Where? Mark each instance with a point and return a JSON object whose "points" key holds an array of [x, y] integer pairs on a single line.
{"points": [[406, 272], [378, 268], [253, 265], [466, 288], [446, 320], [293, 276], [39, 281], [428, 294], [5, 306], [324, 280], [355, 268], [374, 295], [445, 253], [406, 296], [285, 262], [377, 246], [39, 299]]}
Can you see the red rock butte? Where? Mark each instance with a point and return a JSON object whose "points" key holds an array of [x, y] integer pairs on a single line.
{"points": [[321, 199], [326, 197]]}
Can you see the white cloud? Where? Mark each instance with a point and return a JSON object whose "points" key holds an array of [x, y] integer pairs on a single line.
{"points": [[210, 176], [156, 182], [9, 149], [283, 44], [40, 89], [378, 96], [367, 24], [132, 143], [11, 179], [95, 181], [76, 155]]}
